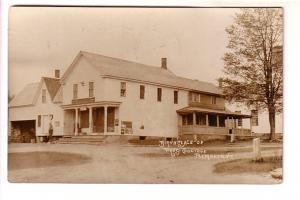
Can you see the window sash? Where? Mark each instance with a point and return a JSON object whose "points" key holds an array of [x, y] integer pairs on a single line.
{"points": [[159, 94], [175, 97], [91, 89], [142, 92], [196, 97], [75, 91], [43, 96], [123, 89], [213, 100]]}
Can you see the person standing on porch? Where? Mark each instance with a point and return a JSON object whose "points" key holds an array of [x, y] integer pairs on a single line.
{"points": [[50, 129]]}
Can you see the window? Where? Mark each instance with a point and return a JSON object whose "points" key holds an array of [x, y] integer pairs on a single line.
{"points": [[123, 89], [126, 127], [200, 119], [213, 100], [222, 120], [175, 97], [240, 120], [84, 119], [91, 89], [159, 93], [195, 97], [44, 96], [212, 120], [142, 92], [110, 119], [39, 120], [187, 119], [75, 91], [254, 117]]}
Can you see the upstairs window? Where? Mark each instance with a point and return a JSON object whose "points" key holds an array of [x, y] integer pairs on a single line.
{"points": [[142, 92], [75, 91], [195, 97], [123, 89], [213, 100], [91, 89], [159, 93], [175, 97], [44, 96]]}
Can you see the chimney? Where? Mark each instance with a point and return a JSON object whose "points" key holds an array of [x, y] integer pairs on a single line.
{"points": [[164, 63], [57, 73]]}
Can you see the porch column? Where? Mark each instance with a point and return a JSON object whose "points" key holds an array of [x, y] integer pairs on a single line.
{"points": [[218, 123], [227, 122], [91, 119], [76, 121], [105, 119], [194, 118], [250, 126], [207, 124]]}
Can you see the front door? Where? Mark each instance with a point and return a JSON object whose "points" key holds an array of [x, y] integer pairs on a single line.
{"points": [[45, 124], [98, 120]]}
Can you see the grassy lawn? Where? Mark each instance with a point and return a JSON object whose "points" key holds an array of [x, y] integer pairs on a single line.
{"points": [[26, 160], [248, 166], [180, 154]]}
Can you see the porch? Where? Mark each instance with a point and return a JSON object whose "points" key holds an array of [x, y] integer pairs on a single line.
{"points": [[195, 121], [91, 119]]}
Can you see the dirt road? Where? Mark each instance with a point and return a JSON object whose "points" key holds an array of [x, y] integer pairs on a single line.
{"points": [[115, 163]]}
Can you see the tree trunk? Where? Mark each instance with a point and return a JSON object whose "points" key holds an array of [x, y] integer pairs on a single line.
{"points": [[272, 123]]}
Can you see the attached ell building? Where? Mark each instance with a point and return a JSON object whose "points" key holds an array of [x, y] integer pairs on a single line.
{"points": [[99, 95]]}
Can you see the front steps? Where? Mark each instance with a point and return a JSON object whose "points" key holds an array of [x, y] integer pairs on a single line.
{"points": [[94, 139], [82, 139]]}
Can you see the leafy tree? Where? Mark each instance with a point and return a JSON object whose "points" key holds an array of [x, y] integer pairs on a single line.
{"points": [[253, 70]]}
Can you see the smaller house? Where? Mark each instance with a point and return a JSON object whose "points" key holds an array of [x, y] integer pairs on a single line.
{"points": [[31, 109]]}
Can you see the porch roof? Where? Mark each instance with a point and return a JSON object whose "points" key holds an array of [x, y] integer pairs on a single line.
{"points": [[191, 109], [93, 104]]}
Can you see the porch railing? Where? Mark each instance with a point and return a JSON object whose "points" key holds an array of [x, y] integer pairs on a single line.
{"points": [[198, 129]]}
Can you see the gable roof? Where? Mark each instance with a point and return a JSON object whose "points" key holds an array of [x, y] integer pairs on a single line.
{"points": [[29, 93], [26, 96], [58, 97], [119, 68], [52, 85]]}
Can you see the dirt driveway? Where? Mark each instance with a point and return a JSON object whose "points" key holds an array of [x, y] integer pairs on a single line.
{"points": [[115, 163]]}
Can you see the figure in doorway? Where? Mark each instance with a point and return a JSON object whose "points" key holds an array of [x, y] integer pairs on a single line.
{"points": [[50, 129]]}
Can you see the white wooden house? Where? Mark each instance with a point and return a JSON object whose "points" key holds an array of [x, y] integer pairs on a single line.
{"points": [[30, 110], [100, 95]]}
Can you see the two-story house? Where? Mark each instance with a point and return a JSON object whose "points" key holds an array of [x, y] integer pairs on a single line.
{"points": [[105, 95], [101, 95]]}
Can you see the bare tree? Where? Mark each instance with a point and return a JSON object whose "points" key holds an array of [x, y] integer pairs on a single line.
{"points": [[253, 71]]}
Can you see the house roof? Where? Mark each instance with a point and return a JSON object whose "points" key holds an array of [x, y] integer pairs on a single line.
{"points": [[119, 68], [58, 97], [52, 85], [28, 95], [191, 109]]}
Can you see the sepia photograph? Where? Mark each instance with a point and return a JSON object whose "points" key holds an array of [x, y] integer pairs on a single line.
{"points": [[145, 95]]}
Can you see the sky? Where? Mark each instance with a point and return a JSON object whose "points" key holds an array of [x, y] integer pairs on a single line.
{"points": [[42, 39], [194, 40]]}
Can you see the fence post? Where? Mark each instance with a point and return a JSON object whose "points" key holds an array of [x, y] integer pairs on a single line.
{"points": [[256, 150], [232, 137]]}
